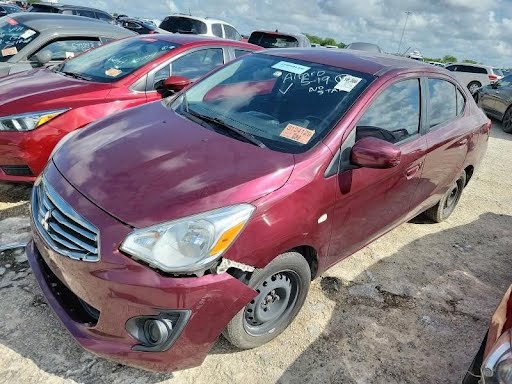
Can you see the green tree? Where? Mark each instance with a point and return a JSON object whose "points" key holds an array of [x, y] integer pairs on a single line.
{"points": [[469, 61], [449, 59]]}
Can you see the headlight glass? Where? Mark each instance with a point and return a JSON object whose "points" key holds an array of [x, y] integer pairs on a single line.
{"points": [[191, 244], [28, 121], [497, 368]]}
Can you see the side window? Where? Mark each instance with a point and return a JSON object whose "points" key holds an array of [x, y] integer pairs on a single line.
{"points": [[160, 75], [231, 33], [65, 49], [85, 13], [104, 17], [461, 103], [479, 70], [394, 115], [241, 52], [452, 68], [217, 30], [196, 64], [443, 101]]}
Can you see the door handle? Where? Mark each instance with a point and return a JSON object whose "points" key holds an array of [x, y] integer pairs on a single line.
{"points": [[412, 171]]}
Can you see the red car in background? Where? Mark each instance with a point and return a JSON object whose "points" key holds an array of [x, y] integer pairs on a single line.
{"points": [[39, 107], [159, 228]]}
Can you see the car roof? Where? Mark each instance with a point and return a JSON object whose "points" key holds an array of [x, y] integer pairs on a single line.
{"points": [[206, 20], [300, 35], [43, 22], [186, 39], [362, 61], [63, 6]]}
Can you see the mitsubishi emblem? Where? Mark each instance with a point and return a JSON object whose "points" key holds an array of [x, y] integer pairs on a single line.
{"points": [[46, 218]]}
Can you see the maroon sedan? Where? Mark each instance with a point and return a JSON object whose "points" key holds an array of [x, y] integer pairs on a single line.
{"points": [[161, 227], [39, 107]]}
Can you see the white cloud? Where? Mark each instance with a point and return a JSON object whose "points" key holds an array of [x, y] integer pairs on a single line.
{"points": [[467, 29]]}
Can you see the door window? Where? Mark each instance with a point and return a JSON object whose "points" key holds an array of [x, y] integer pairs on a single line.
{"points": [[161, 75], [196, 64], [82, 12], [395, 114], [104, 17], [231, 33], [217, 30], [65, 49], [443, 101]]}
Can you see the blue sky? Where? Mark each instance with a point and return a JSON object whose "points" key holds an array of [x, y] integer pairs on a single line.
{"points": [[478, 30]]}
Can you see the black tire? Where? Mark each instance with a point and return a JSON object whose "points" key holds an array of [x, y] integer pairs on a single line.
{"points": [[473, 86], [286, 278], [506, 123], [442, 210]]}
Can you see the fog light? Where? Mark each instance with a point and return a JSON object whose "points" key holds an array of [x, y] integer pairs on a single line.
{"points": [[157, 333]]}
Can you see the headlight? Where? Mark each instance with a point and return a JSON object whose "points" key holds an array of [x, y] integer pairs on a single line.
{"points": [[28, 121], [497, 368], [190, 244], [63, 141]]}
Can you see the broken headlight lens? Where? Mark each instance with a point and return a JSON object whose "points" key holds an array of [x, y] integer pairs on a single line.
{"points": [[497, 368], [190, 244]]}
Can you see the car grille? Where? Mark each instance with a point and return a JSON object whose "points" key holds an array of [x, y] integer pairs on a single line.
{"points": [[16, 170], [65, 231]]}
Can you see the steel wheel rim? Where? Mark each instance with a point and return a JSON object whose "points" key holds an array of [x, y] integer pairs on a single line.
{"points": [[452, 198], [275, 301]]}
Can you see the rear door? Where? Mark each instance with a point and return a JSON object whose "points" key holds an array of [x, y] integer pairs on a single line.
{"points": [[369, 202], [448, 139]]}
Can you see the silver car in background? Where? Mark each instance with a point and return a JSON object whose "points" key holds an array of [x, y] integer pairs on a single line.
{"points": [[31, 40]]}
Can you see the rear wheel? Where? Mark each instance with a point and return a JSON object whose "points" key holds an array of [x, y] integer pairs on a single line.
{"points": [[447, 204], [473, 86], [506, 124], [282, 287]]}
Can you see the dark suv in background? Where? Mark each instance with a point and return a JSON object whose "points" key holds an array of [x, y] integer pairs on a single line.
{"points": [[72, 10]]}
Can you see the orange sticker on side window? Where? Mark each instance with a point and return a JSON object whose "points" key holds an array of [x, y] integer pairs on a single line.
{"points": [[297, 133], [9, 51]]}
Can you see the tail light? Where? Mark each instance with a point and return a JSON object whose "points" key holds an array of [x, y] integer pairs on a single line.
{"points": [[493, 77]]}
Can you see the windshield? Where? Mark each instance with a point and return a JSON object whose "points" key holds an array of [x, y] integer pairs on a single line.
{"points": [[14, 37], [117, 60], [289, 105], [176, 24], [273, 40], [497, 72]]}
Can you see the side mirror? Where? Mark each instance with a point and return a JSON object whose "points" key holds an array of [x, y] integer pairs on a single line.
{"points": [[172, 85], [371, 152], [495, 85], [43, 57]]}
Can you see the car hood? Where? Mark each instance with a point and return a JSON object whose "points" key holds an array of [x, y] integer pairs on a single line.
{"points": [[29, 91], [149, 165]]}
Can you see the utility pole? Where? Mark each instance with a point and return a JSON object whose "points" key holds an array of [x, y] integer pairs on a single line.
{"points": [[403, 30]]}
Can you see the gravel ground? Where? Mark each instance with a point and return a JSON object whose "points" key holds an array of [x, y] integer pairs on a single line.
{"points": [[411, 308]]}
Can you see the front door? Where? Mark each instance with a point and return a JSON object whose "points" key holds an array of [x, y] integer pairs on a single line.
{"points": [[369, 202]]}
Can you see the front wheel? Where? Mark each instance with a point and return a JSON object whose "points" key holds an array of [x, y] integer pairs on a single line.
{"points": [[282, 287], [506, 124], [447, 204]]}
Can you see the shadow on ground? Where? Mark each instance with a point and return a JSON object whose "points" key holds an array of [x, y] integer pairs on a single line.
{"points": [[403, 322]]}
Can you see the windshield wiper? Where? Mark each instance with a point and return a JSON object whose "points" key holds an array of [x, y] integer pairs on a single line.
{"points": [[76, 75], [221, 123]]}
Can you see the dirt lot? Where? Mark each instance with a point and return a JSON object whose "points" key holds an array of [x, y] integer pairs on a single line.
{"points": [[410, 308]]}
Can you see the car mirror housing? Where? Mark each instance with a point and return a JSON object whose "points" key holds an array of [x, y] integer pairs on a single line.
{"points": [[43, 57], [371, 152], [176, 83]]}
